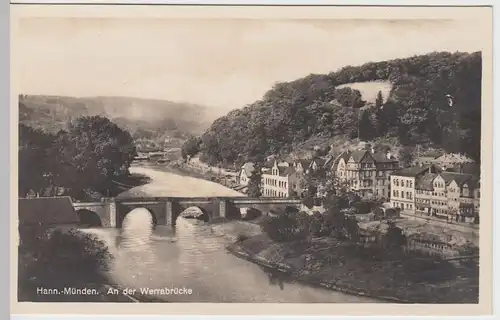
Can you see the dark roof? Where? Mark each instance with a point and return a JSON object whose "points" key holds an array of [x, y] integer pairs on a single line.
{"points": [[380, 157], [304, 163], [320, 162], [425, 182], [432, 154], [286, 171], [460, 178], [46, 211], [357, 155], [412, 171], [269, 164]]}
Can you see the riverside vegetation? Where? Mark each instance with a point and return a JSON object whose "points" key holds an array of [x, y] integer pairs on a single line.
{"points": [[327, 250]]}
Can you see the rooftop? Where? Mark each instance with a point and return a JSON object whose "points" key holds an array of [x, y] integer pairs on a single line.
{"points": [[414, 171], [425, 182]]}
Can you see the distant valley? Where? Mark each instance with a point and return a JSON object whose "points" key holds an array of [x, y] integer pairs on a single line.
{"points": [[153, 123]]}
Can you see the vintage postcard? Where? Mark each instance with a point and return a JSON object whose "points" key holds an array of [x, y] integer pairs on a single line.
{"points": [[251, 160]]}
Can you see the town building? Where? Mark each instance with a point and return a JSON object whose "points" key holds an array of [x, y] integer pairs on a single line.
{"points": [[403, 184], [366, 172], [280, 180], [427, 190]]}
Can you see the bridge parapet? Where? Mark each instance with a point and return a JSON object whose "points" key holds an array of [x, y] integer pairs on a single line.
{"points": [[165, 210]]}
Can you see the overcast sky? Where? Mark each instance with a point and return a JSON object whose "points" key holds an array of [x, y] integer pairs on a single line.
{"points": [[219, 63]]}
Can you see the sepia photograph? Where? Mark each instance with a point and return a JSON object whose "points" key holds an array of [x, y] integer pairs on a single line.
{"points": [[185, 159]]}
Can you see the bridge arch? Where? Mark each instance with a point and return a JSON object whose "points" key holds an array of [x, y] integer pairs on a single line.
{"points": [[194, 212], [89, 218], [126, 215]]}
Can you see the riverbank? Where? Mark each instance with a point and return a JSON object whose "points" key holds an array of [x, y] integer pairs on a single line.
{"points": [[186, 170], [362, 271]]}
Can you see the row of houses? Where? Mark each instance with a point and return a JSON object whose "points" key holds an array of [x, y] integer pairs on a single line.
{"points": [[429, 190], [435, 185]]}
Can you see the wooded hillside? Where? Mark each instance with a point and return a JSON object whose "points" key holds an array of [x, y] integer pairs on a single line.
{"points": [[416, 111]]}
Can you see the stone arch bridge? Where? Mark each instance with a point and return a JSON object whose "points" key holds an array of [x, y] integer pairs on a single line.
{"points": [[111, 212]]}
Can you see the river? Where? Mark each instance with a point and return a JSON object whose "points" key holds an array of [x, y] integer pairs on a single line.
{"points": [[193, 257]]}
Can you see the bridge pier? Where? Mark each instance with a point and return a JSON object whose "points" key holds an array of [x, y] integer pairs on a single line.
{"points": [[170, 215], [111, 212], [222, 208]]}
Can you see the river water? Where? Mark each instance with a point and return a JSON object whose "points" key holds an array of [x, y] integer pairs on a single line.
{"points": [[192, 257]]}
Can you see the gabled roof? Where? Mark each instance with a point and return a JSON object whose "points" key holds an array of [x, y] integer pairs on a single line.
{"points": [[358, 155], [453, 158], [425, 182], [248, 168], [46, 211]]}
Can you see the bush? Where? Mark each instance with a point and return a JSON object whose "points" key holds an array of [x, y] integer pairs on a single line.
{"points": [[59, 259], [308, 201], [284, 228]]}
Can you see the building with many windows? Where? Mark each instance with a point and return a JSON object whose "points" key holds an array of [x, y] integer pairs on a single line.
{"points": [[279, 181], [427, 190], [366, 172]]}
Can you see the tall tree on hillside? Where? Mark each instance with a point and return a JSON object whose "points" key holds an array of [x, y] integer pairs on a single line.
{"points": [[379, 101], [255, 150], [94, 150], [366, 128], [406, 156]]}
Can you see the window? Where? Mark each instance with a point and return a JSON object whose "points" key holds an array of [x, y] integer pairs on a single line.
{"points": [[396, 182], [393, 193]]}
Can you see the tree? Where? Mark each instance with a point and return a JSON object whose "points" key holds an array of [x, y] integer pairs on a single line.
{"points": [[190, 148], [93, 152], [379, 101], [394, 237], [366, 129], [34, 161], [406, 156], [255, 181]]}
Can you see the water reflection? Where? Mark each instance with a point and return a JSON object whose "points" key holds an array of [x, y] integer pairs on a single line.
{"points": [[192, 256]]}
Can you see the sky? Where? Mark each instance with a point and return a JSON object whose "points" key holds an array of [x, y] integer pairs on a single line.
{"points": [[223, 64]]}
